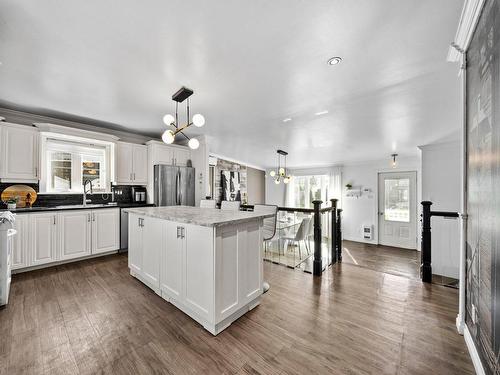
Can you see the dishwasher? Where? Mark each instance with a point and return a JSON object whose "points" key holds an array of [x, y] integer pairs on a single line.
{"points": [[123, 230]]}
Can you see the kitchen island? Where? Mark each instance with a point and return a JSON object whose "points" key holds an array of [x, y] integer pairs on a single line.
{"points": [[206, 262]]}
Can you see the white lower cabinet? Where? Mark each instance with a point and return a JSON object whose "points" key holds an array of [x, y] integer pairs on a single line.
{"points": [[105, 230], [144, 249], [171, 262], [20, 255], [43, 238], [74, 234]]}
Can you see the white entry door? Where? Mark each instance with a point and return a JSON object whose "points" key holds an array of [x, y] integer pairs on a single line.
{"points": [[397, 215]]}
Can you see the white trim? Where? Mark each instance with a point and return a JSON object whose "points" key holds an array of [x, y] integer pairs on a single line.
{"points": [[160, 143], [468, 21], [474, 355], [59, 129], [218, 156]]}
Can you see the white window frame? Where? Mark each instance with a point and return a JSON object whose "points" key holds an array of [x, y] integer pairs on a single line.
{"points": [[108, 147]]}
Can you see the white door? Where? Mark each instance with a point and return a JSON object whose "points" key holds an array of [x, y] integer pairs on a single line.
{"points": [[397, 219], [140, 165], [152, 247], [20, 245], [105, 230], [171, 262], [124, 162], [74, 234], [135, 243], [20, 152], [43, 238]]}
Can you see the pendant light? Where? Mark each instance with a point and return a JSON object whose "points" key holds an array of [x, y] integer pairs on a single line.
{"points": [[198, 120], [394, 163], [281, 172]]}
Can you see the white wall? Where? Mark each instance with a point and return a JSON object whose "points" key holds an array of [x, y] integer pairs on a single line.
{"points": [[364, 210], [441, 168], [275, 194], [199, 159]]}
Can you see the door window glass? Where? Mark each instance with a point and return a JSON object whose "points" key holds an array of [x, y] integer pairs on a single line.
{"points": [[397, 199]]}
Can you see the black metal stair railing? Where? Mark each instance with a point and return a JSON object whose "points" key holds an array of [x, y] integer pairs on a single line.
{"points": [[426, 242]]}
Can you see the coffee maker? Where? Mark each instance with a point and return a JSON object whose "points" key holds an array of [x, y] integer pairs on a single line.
{"points": [[138, 194]]}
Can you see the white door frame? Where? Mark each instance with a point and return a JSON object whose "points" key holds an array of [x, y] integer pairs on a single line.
{"points": [[377, 206]]}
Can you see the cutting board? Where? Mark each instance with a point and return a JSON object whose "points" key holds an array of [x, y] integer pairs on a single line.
{"points": [[20, 192]]}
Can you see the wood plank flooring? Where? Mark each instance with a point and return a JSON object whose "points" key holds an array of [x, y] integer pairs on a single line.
{"points": [[92, 317]]}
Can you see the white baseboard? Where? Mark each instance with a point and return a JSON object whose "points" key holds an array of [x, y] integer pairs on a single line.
{"points": [[474, 355], [460, 324]]}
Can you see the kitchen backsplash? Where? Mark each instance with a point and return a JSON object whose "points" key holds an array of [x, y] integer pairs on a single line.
{"points": [[50, 200]]}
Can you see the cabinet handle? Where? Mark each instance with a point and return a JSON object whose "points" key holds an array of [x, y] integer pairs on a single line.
{"points": [[36, 171], [131, 177], [54, 219], [179, 232], [139, 221], [88, 218], [93, 216], [134, 176], [182, 232]]}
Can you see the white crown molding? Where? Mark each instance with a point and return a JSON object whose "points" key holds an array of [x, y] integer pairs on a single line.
{"points": [[59, 129], [218, 156], [468, 21]]}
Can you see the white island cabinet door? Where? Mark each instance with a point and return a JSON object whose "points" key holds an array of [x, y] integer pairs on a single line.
{"points": [[198, 265], [171, 262], [20, 245], [152, 246], [74, 231], [43, 238], [135, 243], [105, 230]]}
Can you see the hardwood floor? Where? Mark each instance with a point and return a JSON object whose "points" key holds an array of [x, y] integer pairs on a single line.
{"points": [[92, 317], [387, 259]]}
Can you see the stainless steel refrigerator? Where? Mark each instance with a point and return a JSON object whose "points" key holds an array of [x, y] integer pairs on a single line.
{"points": [[173, 186]]}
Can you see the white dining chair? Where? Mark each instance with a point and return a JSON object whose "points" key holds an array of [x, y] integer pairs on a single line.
{"points": [[269, 228], [300, 235], [207, 203], [230, 205]]}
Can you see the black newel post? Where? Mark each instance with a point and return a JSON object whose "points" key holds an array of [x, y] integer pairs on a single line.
{"points": [[425, 266], [334, 230], [317, 264], [339, 235]]}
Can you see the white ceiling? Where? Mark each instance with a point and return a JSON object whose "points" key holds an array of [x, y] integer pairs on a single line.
{"points": [[251, 64]]}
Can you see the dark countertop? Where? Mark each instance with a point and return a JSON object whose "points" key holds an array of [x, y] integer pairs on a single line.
{"points": [[89, 206]]}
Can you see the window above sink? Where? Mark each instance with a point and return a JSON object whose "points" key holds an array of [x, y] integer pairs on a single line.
{"points": [[68, 161]]}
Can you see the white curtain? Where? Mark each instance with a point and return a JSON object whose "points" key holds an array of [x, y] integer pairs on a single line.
{"points": [[335, 188], [332, 188]]}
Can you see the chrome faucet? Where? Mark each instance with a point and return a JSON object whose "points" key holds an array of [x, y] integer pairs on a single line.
{"points": [[85, 200]]}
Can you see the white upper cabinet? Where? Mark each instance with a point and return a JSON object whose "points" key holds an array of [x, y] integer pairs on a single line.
{"points": [[181, 156], [19, 153], [131, 164]]}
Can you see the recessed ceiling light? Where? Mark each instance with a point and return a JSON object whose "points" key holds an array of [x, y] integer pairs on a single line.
{"points": [[287, 119], [321, 113], [334, 60]]}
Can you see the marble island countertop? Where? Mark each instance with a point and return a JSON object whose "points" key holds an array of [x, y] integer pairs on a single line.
{"points": [[207, 217]]}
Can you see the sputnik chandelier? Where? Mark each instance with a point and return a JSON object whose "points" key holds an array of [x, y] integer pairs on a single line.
{"points": [[198, 120], [281, 173]]}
